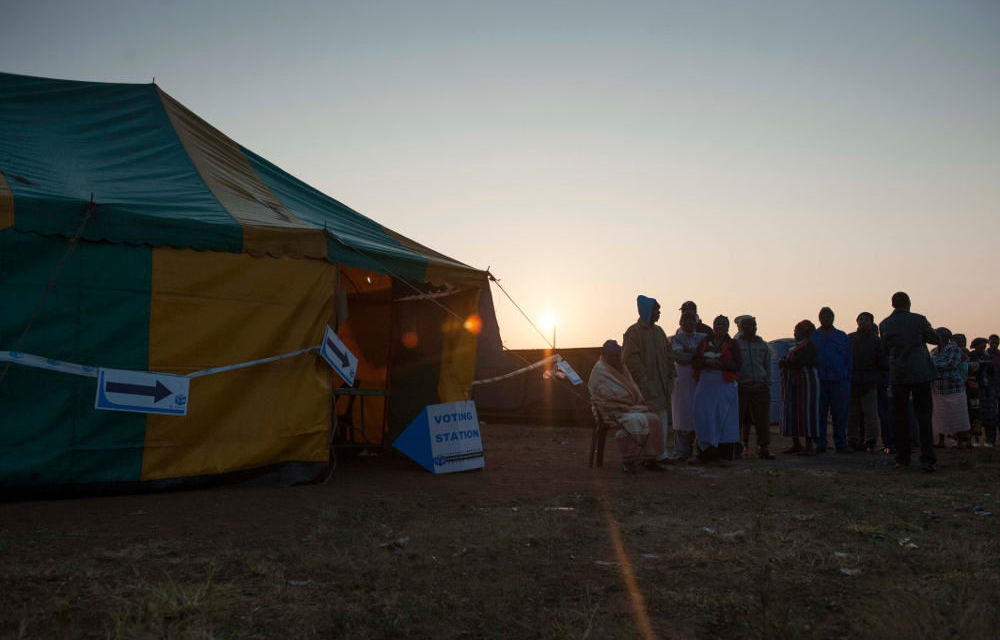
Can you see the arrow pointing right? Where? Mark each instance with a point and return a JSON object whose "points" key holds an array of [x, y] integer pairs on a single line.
{"points": [[157, 392], [344, 361]]}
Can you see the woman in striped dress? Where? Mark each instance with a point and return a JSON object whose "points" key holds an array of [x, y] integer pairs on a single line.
{"points": [[800, 391]]}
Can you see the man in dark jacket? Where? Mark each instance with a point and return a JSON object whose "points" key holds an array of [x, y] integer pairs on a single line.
{"points": [[869, 370], [911, 371]]}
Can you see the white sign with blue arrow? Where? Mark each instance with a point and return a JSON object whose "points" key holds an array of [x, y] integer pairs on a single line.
{"points": [[141, 392], [338, 356]]}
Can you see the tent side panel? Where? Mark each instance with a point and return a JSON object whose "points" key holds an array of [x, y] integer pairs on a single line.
{"points": [[458, 348], [6, 204], [96, 313], [214, 309]]}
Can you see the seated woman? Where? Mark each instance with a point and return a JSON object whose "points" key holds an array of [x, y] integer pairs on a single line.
{"points": [[617, 398]]}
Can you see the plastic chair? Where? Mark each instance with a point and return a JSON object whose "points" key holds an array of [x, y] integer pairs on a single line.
{"points": [[598, 436]]}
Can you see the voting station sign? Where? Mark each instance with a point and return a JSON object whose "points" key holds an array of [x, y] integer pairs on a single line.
{"points": [[141, 392], [444, 438], [339, 357]]}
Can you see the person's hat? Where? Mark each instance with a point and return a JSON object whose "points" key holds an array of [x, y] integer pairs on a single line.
{"points": [[689, 306]]}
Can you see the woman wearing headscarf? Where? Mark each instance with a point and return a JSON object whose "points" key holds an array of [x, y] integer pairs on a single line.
{"points": [[950, 415], [716, 399], [800, 391], [616, 396]]}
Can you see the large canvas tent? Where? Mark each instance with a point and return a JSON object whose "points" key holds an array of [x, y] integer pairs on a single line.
{"points": [[134, 235]]}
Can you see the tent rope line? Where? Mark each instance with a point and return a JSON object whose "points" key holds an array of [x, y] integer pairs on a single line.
{"points": [[518, 307], [51, 364], [550, 360], [88, 212]]}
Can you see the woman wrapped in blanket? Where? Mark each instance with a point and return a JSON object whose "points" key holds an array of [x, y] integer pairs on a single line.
{"points": [[618, 399]]}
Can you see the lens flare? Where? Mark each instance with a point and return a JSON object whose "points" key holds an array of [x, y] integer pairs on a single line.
{"points": [[473, 324], [410, 340]]}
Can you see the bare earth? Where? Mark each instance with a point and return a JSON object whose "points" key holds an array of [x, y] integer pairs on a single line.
{"points": [[535, 546]]}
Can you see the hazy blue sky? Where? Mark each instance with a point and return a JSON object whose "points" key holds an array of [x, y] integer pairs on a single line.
{"points": [[758, 157]]}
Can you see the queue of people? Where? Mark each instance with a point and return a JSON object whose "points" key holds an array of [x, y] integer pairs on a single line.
{"points": [[698, 393]]}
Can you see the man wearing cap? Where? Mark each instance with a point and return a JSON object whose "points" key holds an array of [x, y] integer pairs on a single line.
{"points": [[699, 327], [649, 357]]}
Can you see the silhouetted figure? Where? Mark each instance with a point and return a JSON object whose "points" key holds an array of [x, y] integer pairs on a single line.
{"points": [[800, 391], [951, 411], [716, 400], [870, 369], [754, 387], [989, 392], [911, 371], [835, 362], [617, 397], [685, 343], [649, 357]]}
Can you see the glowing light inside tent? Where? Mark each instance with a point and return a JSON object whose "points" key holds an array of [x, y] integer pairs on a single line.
{"points": [[473, 324]]}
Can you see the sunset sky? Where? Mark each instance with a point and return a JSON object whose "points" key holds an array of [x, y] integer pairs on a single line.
{"points": [[757, 157]]}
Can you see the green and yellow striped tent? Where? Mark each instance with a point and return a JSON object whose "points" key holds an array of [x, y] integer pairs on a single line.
{"points": [[134, 235]]}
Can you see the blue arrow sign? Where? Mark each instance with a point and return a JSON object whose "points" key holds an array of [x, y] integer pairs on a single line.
{"points": [[141, 392], [339, 357]]}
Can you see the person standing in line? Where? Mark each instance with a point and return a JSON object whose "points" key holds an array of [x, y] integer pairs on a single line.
{"points": [[950, 414], [835, 363], [911, 371], [888, 442], [685, 343], [800, 391], [976, 356], [716, 400], [869, 367], [991, 423], [649, 357], [968, 374], [989, 387], [754, 387]]}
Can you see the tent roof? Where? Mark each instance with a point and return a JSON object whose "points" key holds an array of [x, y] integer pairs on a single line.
{"points": [[161, 176]]}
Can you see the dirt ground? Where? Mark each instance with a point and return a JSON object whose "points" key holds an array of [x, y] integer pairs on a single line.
{"points": [[535, 546]]}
